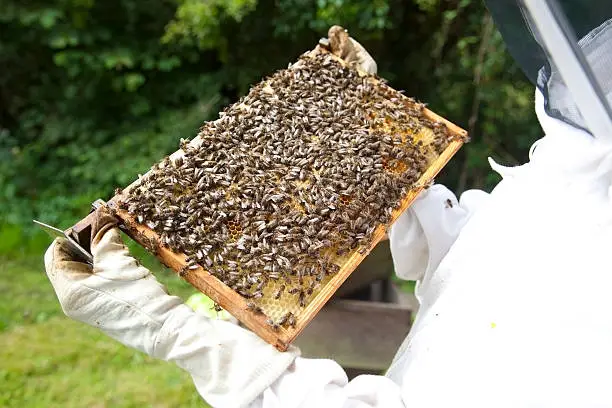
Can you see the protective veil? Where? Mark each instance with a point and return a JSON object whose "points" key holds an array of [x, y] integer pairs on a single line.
{"points": [[585, 26]]}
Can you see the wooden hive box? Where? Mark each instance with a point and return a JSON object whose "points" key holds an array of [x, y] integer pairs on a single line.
{"points": [[236, 304]]}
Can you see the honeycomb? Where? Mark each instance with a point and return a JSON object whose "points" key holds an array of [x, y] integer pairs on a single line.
{"points": [[276, 308], [270, 238]]}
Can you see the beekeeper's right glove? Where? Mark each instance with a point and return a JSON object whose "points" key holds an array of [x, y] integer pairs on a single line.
{"points": [[230, 366]]}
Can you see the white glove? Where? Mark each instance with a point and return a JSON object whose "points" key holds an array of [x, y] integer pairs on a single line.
{"points": [[230, 366], [350, 50], [423, 234]]}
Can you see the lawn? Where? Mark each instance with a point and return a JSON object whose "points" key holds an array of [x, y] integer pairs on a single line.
{"points": [[48, 360]]}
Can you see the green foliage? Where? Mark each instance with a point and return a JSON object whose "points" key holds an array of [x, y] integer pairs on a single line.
{"points": [[200, 23], [94, 92]]}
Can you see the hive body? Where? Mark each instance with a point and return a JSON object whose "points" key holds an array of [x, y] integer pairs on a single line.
{"points": [[282, 196]]}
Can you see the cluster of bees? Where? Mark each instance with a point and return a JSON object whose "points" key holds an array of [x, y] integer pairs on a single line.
{"points": [[296, 174]]}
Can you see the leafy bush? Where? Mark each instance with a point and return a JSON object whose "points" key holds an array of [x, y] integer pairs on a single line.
{"points": [[93, 92]]}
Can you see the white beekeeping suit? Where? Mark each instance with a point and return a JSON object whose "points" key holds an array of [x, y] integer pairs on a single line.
{"points": [[514, 291]]}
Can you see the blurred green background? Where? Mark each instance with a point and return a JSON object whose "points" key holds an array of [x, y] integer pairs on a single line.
{"points": [[93, 92]]}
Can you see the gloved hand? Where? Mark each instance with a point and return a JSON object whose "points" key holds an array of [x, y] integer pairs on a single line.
{"points": [[350, 50], [230, 366]]}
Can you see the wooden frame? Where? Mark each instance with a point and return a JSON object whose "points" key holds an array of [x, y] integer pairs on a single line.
{"points": [[236, 304]]}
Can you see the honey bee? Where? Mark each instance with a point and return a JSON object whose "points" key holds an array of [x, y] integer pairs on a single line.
{"points": [[252, 306], [284, 319], [272, 324], [277, 294]]}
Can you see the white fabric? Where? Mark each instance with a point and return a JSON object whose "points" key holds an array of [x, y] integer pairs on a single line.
{"points": [[517, 313], [364, 59], [422, 235], [230, 366]]}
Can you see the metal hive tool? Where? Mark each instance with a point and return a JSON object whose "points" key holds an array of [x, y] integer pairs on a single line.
{"points": [[270, 308]]}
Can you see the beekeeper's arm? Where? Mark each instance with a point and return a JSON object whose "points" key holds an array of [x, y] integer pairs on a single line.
{"points": [[230, 366]]}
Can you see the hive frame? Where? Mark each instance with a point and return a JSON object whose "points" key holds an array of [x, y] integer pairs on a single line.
{"points": [[235, 304]]}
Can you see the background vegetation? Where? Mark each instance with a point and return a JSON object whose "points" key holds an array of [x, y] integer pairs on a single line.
{"points": [[93, 92]]}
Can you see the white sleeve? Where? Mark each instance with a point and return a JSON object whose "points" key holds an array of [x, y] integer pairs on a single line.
{"points": [[422, 235], [322, 383]]}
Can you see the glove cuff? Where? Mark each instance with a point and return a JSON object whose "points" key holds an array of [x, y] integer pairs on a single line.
{"points": [[102, 222]]}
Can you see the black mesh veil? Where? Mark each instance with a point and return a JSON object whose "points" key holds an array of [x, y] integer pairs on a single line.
{"points": [[591, 23]]}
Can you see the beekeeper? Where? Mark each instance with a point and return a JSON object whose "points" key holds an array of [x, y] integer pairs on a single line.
{"points": [[515, 286]]}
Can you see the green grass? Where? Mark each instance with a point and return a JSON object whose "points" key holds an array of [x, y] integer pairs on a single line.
{"points": [[47, 360]]}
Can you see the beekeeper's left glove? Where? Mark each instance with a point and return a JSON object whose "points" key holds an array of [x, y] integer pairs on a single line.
{"points": [[230, 365]]}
